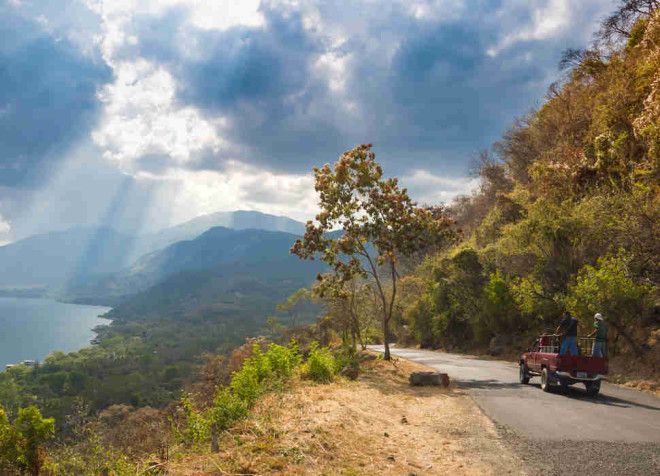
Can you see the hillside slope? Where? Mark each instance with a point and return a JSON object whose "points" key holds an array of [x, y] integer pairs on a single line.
{"points": [[217, 254], [236, 220], [567, 217], [54, 259], [375, 425]]}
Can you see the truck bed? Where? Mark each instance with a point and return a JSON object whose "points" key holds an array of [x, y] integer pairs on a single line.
{"points": [[591, 366]]}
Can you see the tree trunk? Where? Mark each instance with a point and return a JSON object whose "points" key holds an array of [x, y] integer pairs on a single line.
{"points": [[215, 447], [386, 342], [388, 313]]}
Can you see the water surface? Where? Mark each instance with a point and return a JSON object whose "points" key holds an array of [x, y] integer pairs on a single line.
{"points": [[30, 329]]}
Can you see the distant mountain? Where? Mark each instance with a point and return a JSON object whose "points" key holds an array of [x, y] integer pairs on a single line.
{"points": [[52, 260], [85, 256], [220, 251], [250, 290], [236, 220]]}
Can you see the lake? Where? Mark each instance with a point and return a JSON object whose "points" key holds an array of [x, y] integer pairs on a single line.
{"points": [[30, 329]]}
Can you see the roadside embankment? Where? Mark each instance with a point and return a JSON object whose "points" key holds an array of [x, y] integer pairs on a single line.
{"points": [[376, 424]]}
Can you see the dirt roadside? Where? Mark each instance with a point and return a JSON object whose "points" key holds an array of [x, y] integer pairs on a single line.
{"points": [[375, 425]]}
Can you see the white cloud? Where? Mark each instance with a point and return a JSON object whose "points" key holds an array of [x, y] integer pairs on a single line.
{"points": [[548, 19], [435, 9], [190, 193], [204, 14], [222, 14], [140, 118], [5, 229], [428, 188]]}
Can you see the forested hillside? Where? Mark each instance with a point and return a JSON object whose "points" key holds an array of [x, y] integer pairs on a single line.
{"points": [[222, 250], [568, 213], [196, 297]]}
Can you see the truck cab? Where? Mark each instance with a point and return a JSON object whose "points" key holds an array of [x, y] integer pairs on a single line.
{"points": [[542, 359]]}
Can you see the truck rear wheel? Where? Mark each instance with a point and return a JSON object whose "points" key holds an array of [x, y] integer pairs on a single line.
{"points": [[524, 373], [546, 385], [593, 388]]}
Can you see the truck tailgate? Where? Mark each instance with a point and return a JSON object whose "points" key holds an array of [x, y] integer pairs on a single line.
{"points": [[589, 365]]}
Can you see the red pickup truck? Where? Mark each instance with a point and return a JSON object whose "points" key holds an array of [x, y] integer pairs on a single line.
{"points": [[543, 359]]}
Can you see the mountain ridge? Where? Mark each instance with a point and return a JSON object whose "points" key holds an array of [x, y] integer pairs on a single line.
{"points": [[61, 259]]}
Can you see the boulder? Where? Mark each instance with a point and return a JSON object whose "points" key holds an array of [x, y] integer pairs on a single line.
{"points": [[429, 378]]}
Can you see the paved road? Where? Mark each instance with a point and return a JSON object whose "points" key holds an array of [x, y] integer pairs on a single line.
{"points": [[616, 415]]}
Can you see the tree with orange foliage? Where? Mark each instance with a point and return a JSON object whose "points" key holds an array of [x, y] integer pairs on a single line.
{"points": [[365, 225]]}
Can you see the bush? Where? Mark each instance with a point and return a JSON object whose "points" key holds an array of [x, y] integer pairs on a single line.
{"points": [[347, 362], [262, 370], [196, 429], [321, 365], [227, 409], [283, 360], [21, 443], [258, 374], [246, 384]]}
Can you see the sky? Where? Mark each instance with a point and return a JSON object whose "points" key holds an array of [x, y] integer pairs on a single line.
{"points": [[139, 114]]}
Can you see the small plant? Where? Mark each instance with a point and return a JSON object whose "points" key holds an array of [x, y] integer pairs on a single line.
{"points": [[259, 373], [283, 360], [347, 362], [227, 409], [321, 365], [247, 383], [196, 429]]}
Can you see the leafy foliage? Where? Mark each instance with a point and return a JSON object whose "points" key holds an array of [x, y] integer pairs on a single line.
{"points": [[21, 442], [321, 365], [259, 373]]}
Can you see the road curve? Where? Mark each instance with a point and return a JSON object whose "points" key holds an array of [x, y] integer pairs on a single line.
{"points": [[616, 415]]}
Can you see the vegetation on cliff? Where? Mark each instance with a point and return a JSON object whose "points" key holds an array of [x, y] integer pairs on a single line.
{"points": [[567, 216]]}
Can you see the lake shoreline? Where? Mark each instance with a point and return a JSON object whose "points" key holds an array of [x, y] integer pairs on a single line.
{"points": [[31, 328]]}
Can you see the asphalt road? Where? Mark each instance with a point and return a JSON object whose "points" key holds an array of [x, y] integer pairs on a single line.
{"points": [[616, 415]]}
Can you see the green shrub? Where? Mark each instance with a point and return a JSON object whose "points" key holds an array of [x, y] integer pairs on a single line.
{"points": [[227, 409], [245, 383], [283, 360], [321, 365], [251, 380], [259, 373], [21, 443], [196, 429]]}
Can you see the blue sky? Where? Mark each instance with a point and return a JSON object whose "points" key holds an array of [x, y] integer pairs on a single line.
{"points": [[139, 114]]}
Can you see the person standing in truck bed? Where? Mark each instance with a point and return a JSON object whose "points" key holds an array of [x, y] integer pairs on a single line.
{"points": [[568, 328], [600, 333]]}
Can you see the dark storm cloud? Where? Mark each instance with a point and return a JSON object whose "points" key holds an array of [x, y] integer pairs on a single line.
{"points": [[429, 90], [425, 91], [261, 78], [47, 97]]}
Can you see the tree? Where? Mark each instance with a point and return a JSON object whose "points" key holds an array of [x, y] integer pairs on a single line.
{"points": [[8, 439], [608, 288], [21, 443], [349, 307], [292, 303], [620, 23], [378, 223]]}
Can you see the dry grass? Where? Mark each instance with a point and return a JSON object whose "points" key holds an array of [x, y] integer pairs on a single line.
{"points": [[375, 425]]}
